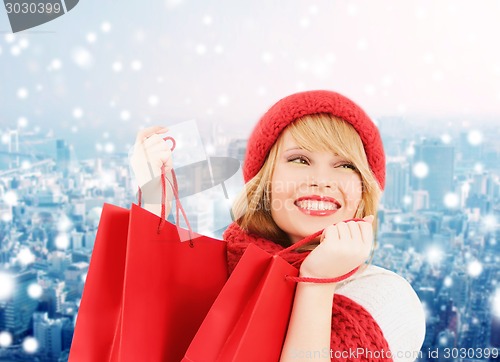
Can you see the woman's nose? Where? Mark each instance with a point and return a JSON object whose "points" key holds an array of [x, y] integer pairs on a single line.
{"points": [[321, 180]]}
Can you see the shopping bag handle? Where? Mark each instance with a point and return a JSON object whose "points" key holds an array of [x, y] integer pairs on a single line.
{"points": [[307, 240], [175, 190]]}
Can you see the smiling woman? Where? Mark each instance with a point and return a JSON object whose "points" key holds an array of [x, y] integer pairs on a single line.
{"points": [[314, 170]]}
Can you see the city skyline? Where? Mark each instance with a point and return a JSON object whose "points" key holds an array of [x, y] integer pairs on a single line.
{"points": [[447, 251]]}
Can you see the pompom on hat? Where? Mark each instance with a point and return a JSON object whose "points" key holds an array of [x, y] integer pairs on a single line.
{"points": [[288, 109]]}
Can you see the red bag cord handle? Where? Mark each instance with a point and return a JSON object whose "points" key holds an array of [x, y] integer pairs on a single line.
{"points": [[305, 241], [175, 190]]}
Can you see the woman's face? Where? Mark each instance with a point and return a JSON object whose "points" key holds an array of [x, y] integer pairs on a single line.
{"points": [[311, 190]]}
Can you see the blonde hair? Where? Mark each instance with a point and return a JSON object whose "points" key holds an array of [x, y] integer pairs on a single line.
{"points": [[316, 132]]}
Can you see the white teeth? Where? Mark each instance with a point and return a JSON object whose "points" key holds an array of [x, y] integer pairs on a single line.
{"points": [[317, 205]]}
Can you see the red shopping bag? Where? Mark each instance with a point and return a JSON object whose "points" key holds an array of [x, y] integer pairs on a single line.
{"points": [[156, 294], [249, 319], [99, 312]]}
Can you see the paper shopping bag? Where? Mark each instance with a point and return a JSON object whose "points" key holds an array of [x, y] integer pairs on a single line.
{"points": [[169, 287], [146, 301], [249, 319], [99, 312]]}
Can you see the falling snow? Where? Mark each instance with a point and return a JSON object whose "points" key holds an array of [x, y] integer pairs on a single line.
{"points": [[62, 241], [474, 268], [30, 345], [420, 170], [82, 57], [451, 200], [25, 256], [35, 290], [475, 138], [5, 339]]}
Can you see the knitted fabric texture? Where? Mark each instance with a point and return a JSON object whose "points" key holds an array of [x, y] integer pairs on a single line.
{"points": [[290, 108], [352, 326]]}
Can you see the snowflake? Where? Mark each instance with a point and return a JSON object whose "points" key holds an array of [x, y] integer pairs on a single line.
{"points": [[218, 49], [117, 67], [10, 198], [35, 290], [5, 339], [25, 256], [474, 268], [496, 303], [22, 93], [448, 282], [9, 38], [55, 64], [64, 223], [200, 49], [125, 115], [62, 241], [30, 345], [91, 37], [153, 100], [451, 200], [223, 100], [136, 65], [434, 255], [22, 122], [304, 22], [420, 170], [475, 138], [105, 27], [446, 138], [78, 112], [267, 57], [109, 147], [207, 20], [82, 57], [15, 50]]}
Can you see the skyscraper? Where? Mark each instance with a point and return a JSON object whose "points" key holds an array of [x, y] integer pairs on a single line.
{"points": [[397, 183], [48, 334], [439, 160], [17, 310]]}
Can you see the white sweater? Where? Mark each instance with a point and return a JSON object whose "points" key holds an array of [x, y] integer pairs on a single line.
{"points": [[394, 305]]}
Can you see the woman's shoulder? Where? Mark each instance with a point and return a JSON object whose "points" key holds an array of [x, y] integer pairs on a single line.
{"points": [[393, 303]]}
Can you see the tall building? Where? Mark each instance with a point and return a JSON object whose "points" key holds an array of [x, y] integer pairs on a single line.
{"points": [[48, 333], [439, 159], [63, 155], [397, 183], [18, 309]]}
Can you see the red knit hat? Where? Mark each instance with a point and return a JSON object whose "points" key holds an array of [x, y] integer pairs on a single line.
{"points": [[297, 105]]}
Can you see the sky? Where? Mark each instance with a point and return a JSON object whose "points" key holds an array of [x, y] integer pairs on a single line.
{"points": [[108, 68]]}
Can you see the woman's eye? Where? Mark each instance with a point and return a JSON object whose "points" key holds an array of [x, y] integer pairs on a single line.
{"points": [[299, 159], [349, 165]]}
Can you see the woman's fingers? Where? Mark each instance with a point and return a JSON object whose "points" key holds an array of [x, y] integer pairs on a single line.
{"points": [[344, 232], [147, 132], [354, 228]]}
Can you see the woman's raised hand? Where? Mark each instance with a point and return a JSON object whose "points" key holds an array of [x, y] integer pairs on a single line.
{"points": [[150, 153], [343, 247]]}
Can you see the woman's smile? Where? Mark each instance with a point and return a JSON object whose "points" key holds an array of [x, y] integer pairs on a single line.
{"points": [[317, 205]]}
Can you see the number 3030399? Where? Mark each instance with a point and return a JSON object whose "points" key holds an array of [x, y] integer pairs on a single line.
{"points": [[33, 8]]}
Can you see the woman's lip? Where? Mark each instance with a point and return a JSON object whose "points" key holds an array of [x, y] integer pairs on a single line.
{"points": [[319, 198], [317, 212]]}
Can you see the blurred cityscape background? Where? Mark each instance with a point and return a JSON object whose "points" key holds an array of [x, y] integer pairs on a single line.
{"points": [[75, 91], [438, 228]]}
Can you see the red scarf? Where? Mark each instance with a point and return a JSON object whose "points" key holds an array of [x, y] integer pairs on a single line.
{"points": [[353, 328]]}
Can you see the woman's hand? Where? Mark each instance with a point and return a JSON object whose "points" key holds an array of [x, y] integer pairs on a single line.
{"points": [[343, 247], [150, 153]]}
